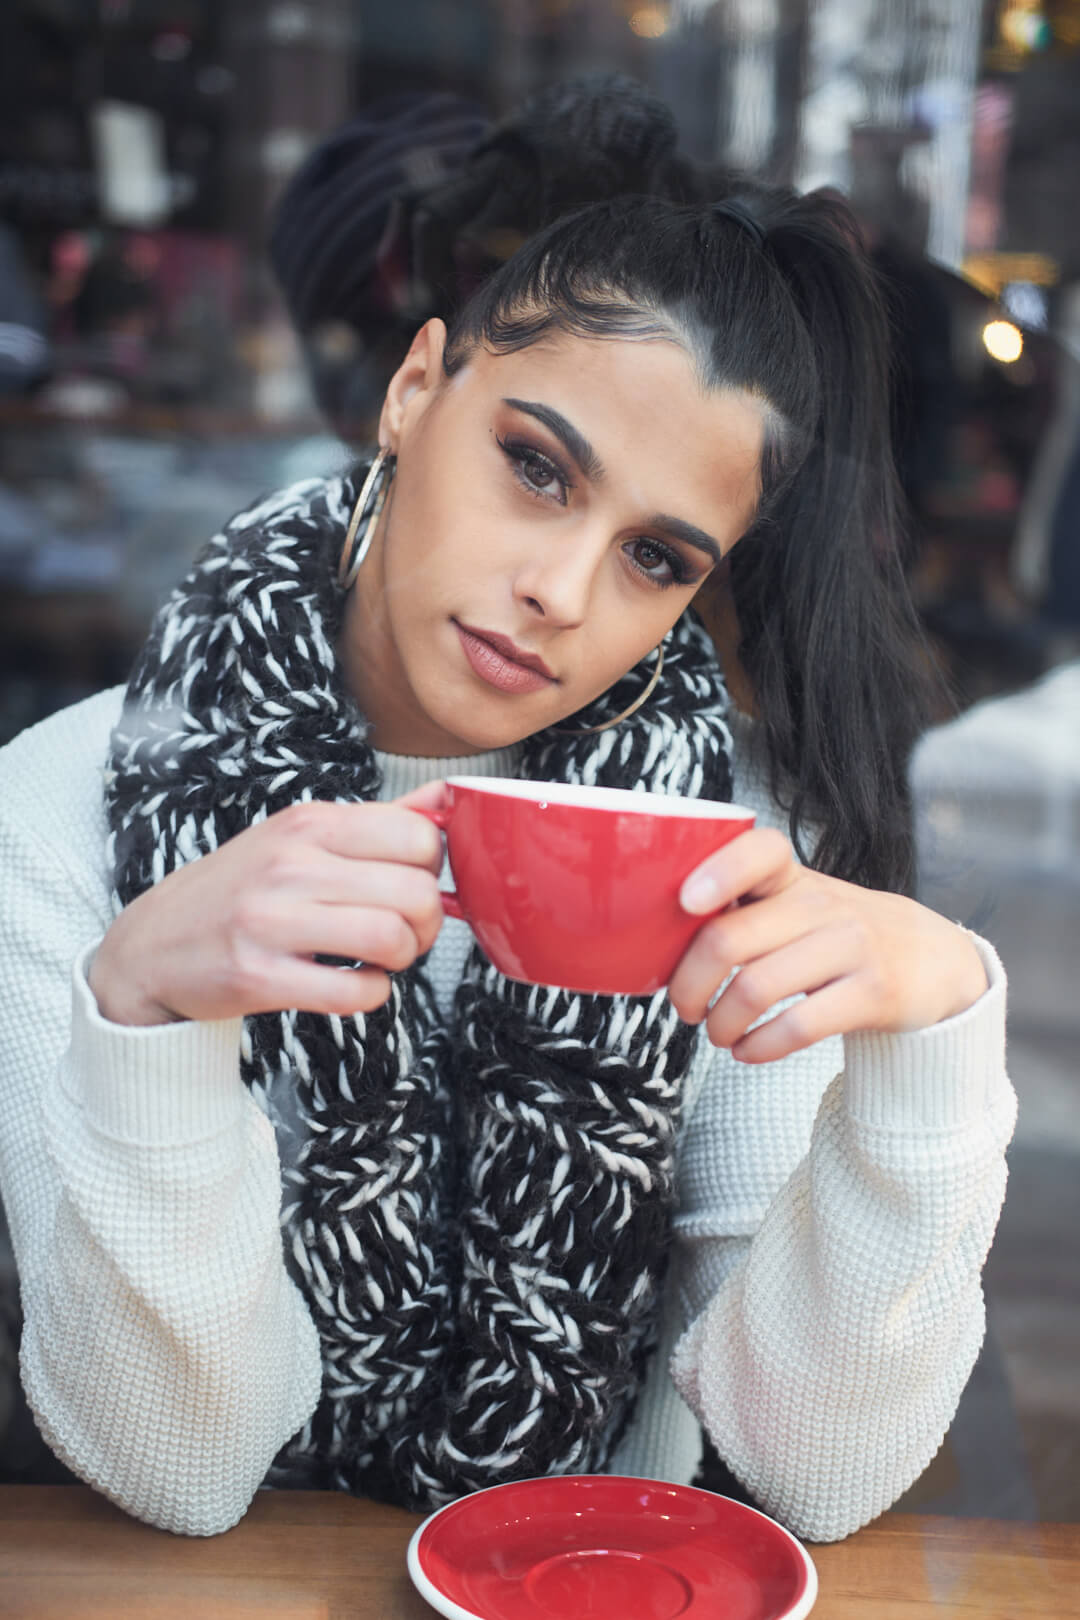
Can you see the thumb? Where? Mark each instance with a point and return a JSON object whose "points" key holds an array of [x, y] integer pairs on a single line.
{"points": [[429, 796]]}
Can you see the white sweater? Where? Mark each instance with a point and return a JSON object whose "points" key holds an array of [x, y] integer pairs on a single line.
{"points": [[835, 1209]]}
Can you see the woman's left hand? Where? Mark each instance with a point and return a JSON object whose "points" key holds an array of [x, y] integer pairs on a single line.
{"points": [[864, 959]]}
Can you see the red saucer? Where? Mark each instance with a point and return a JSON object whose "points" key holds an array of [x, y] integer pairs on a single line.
{"points": [[604, 1547]]}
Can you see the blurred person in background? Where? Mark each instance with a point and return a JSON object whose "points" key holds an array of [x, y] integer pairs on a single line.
{"points": [[404, 212]]}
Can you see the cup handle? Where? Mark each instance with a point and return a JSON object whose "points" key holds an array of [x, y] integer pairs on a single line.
{"points": [[450, 903]]}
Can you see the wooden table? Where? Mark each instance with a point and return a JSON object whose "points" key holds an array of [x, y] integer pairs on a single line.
{"points": [[66, 1554]]}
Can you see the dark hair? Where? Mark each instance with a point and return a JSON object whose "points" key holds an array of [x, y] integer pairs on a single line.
{"points": [[828, 636]]}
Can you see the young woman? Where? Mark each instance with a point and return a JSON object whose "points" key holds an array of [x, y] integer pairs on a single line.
{"points": [[300, 1187]]}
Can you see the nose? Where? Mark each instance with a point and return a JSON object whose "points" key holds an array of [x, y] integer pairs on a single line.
{"points": [[558, 579]]}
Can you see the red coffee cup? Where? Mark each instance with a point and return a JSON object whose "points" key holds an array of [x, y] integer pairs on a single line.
{"points": [[574, 887]]}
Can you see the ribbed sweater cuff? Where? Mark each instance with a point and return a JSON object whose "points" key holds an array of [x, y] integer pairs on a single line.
{"points": [[162, 1086], [937, 1078]]}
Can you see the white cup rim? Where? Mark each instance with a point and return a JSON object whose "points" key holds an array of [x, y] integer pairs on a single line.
{"points": [[620, 800]]}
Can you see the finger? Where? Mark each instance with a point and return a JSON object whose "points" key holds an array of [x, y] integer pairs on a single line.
{"points": [[370, 832], [740, 935], [327, 880], [375, 911], [836, 1009], [297, 877], [797, 969], [756, 863], [374, 935], [314, 987], [429, 796]]}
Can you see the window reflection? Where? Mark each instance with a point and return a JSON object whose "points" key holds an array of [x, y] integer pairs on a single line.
{"points": [[152, 381]]}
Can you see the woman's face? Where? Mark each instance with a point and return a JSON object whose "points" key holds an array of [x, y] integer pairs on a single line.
{"points": [[553, 512]]}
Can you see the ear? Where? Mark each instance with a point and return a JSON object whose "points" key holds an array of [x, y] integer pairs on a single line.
{"points": [[419, 374]]}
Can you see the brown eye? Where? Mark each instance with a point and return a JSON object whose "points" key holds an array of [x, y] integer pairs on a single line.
{"points": [[657, 563], [649, 555], [539, 473], [536, 472]]}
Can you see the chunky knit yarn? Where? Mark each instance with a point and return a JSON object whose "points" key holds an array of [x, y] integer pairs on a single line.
{"points": [[477, 1216]]}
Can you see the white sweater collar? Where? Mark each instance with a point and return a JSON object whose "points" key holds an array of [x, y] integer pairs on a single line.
{"points": [[401, 773]]}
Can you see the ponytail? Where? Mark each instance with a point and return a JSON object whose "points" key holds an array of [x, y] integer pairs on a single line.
{"points": [[829, 638]]}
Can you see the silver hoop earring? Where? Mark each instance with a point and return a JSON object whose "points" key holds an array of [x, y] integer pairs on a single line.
{"points": [[654, 679], [368, 510]]}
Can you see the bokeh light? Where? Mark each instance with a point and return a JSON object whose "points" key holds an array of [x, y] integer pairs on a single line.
{"points": [[1003, 341], [649, 21]]}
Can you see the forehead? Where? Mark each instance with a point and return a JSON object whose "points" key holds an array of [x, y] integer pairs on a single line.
{"points": [[643, 407]]}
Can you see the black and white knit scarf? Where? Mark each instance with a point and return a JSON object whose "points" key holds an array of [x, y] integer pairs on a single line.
{"points": [[477, 1216]]}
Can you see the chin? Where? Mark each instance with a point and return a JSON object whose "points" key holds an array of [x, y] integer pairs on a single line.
{"points": [[489, 731], [481, 739]]}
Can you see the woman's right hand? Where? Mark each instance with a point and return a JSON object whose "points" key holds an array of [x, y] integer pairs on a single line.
{"points": [[236, 931]]}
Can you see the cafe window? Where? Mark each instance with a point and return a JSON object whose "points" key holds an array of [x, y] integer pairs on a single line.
{"points": [[153, 382]]}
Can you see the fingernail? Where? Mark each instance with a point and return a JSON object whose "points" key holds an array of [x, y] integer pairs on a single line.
{"points": [[700, 893]]}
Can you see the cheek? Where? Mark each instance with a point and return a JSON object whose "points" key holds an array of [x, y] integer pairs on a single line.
{"points": [[428, 567], [452, 551], [617, 647]]}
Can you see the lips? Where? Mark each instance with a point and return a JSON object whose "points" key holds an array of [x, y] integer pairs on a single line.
{"points": [[509, 649], [501, 663]]}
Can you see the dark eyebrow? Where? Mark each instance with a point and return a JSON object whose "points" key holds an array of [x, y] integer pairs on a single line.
{"points": [[567, 434], [593, 468], [676, 529]]}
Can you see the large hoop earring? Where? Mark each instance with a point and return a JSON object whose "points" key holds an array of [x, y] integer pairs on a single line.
{"points": [[368, 510], [584, 731]]}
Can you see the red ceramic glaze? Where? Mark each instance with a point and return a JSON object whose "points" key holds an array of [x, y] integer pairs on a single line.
{"points": [[604, 1547], [573, 894]]}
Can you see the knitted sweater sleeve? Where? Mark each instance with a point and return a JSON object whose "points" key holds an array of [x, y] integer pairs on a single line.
{"points": [[835, 1311], [165, 1354]]}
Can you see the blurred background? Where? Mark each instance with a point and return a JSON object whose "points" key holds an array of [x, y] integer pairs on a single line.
{"points": [[152, 382]]}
